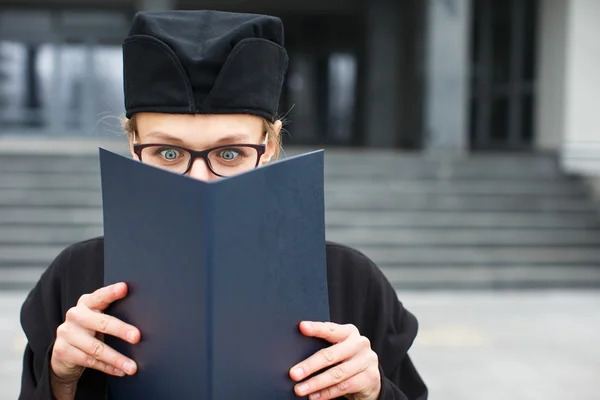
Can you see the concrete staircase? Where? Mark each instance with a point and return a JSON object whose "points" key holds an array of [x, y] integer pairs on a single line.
{"points": [[483, 222]]}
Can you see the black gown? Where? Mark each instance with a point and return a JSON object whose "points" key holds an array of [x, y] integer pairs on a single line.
{"points": [[359, 294]]}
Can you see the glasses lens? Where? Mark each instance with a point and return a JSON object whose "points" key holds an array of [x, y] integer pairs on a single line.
{"points": [[165, 157], [227, 161]]}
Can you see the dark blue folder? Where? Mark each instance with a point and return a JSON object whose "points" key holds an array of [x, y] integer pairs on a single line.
{"points": [[220, 275]]}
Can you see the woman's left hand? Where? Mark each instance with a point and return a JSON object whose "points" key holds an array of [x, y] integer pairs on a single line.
{"points": [[354, 366]]}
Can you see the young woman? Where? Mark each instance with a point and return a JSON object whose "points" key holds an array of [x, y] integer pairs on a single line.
{"points": [[204, 80]]}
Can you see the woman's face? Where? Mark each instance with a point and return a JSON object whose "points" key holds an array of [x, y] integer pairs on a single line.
{"points": [[201, 132]]}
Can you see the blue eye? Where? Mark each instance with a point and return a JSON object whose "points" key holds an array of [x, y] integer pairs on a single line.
{"points": [[229, 154], [169, 154]]}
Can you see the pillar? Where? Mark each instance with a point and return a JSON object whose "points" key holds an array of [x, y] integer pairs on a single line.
{"points": [[32, 85], [551, 64], [57, 108], [581, 132], [447, 69], [90, 117], [382, 102]]}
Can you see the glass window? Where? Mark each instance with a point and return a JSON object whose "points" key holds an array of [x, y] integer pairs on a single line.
{"points": [[499, 119], [71, 78], [501, 40], [73, 86], [25, 84], [342, 82]]}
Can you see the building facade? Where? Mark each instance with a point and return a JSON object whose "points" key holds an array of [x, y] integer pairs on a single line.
{"points": [[449, 76]]}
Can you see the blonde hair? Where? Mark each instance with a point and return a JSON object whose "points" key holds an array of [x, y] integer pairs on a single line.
{"points": [[130, 127]]}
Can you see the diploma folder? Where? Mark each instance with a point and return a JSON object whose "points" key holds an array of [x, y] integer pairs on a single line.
{"points": [[220, 274]]}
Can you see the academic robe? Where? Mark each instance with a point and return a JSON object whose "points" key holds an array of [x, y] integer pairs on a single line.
{"points": [[359, 294]]}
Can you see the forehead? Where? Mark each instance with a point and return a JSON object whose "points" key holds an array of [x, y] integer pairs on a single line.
{"points": [[199, 127]]}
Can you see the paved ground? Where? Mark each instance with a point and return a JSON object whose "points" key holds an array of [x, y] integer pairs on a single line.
{"points": [[472, 346], [517, 346]]}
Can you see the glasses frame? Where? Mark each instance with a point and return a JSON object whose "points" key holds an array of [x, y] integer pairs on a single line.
{"points": [[203, 154]]}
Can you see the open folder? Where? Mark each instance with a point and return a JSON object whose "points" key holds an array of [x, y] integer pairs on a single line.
{"points": [[220, 275]]}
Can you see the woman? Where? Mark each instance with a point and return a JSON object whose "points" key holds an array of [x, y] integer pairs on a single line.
{"points": [[198, 80]]}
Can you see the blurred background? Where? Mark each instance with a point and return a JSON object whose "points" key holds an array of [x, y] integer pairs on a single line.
{"points": [[462, 156]]}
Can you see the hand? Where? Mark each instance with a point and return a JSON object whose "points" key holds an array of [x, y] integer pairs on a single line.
{"points": [[355, 371], [79, 340]]}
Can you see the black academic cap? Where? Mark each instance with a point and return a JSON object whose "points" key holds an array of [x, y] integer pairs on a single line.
{"points": [[204, 62]]}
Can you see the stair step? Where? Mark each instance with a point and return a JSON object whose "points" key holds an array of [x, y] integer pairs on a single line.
{"points": [[49, 235], [462, 237], [432, 173], [443, 220], [20, 277], [339, 201], [46, 165], [387, 257], [51, 216], [341, 164], [418, 159], [454, 187], [412, 277], [482, 277], [334, 172], [334, 187], [380, 237], [28, 255], [365, 165], [64, 235], [15, 234], [477, 255], [451, 202], [53, 181], [50, 198], [337, 219]]}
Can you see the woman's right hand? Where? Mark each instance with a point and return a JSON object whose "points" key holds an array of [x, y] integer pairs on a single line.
{"points": [[79, 340]]}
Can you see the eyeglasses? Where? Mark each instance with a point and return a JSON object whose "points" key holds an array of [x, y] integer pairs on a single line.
{"points": [[223, 161]]}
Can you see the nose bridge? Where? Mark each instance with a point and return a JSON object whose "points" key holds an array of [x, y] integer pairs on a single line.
{"points": [[200, 170]]}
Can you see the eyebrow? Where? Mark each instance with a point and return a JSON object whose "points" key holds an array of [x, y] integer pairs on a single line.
{"points": [[233, 138]]}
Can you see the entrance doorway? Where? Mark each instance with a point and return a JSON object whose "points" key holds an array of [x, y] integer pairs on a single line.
{"points": [[503, 74], [320, 96]]}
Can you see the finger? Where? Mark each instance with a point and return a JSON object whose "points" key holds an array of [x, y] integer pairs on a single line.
{"points": [[333, 376], [325, 358], [333, 333], [70, 355], [345, 348], [366, 382], [104, 324], [99, 351], [103, 297]]}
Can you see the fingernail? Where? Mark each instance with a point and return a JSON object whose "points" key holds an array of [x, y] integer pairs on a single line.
{"points": [[128, 366], [117, 288], [298, 372], [131, 336], [303, 388], [119, 372], [314, 396]]}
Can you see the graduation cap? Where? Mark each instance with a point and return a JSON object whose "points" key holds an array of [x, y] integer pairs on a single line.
{"points": [[204, 62]]}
